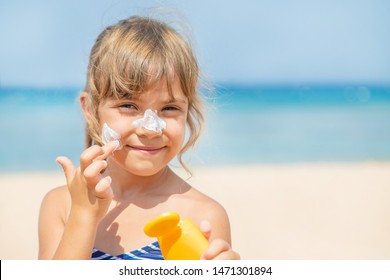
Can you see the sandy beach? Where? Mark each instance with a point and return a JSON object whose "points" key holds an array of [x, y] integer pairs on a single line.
{"points": [[289, 211]]}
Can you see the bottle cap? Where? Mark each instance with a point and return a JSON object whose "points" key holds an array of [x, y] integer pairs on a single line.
{"points": [[162, 224]]}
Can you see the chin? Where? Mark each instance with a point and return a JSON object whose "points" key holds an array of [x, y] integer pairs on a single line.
{"points": [[145, 169]]}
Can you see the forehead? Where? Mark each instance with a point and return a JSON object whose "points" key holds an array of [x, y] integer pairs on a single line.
{"points": [[159, 90], [154, 94], [163, 89]]}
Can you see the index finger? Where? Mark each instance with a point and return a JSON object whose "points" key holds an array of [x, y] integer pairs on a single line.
{"points": [[95, 152], [108, 149]]}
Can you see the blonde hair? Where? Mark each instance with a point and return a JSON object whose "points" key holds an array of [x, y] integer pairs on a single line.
{"points": [[132, 55]]}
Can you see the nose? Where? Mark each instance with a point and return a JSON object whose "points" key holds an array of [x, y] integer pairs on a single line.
{"points": [[150, 124], [144, 132]]}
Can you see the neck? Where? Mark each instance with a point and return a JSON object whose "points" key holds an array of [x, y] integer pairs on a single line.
{"points": [[128, 186]]}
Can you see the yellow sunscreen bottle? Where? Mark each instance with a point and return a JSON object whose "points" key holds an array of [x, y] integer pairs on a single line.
{"points": [[178, 239]]}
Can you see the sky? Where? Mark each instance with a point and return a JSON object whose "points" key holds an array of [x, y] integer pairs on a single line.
{"points": [[46, 43]]}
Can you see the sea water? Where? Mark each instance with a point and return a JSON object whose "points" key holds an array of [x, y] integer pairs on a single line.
{"points": [[299, 124], [245, 125]]}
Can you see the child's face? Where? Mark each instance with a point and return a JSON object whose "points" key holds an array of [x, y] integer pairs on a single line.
{"points": [[145, 152]]}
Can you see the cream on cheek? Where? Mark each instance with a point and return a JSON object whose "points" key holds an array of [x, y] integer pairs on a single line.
{"points": [[108, 135]]}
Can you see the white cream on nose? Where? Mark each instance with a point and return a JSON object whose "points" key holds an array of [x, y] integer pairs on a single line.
{"points": [[151, 121]]}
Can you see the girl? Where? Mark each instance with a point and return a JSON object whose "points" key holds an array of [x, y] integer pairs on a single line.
{"points": [[140, 71]]}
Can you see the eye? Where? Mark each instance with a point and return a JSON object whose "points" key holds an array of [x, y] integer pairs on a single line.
{"points": [[128, 106], [170, 108], [128, 109]]}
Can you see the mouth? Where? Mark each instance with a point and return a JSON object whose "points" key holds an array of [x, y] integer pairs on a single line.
{"points": [[146, 149]]}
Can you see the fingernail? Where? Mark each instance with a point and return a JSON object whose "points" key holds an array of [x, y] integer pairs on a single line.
{"points": [[118, 145]]}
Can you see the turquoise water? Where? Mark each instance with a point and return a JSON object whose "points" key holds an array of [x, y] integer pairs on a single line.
{"points": [[245, 124]]}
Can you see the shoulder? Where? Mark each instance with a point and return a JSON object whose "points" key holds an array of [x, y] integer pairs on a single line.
{"points": [[52, 218], [195, 204], [57, 201], [203, 201], [205, 208], [57, 195]]}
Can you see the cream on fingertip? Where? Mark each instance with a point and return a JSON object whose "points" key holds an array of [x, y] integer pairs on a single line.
{"points": [[109, 135]]}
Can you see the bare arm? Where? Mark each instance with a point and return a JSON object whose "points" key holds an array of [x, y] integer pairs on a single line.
{"points": [[213, 221], [52, 219], [217, 229], [63, 236], [72, 236]]}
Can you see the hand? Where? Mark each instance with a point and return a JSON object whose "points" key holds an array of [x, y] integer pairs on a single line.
{"points": [[218, 249], [90, 191]]}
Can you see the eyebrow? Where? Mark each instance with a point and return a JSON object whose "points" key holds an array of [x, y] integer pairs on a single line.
{"points": [[174, 100], [167, 101]]}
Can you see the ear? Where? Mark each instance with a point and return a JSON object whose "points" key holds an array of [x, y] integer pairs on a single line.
{"points": [[85, 104]]}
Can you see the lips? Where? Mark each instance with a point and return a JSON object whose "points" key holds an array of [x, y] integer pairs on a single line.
{"points": [[146, 149]]}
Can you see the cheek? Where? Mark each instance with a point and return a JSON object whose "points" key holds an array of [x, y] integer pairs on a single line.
{"points": [[124, 126], [121, 125], [176, 130]]}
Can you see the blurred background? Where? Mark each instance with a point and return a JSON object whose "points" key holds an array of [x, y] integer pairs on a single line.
{"points": [[295, 81], [298, 125]]}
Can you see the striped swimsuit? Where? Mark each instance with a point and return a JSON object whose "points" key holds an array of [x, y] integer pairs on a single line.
{"points": [[149, 252]]}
